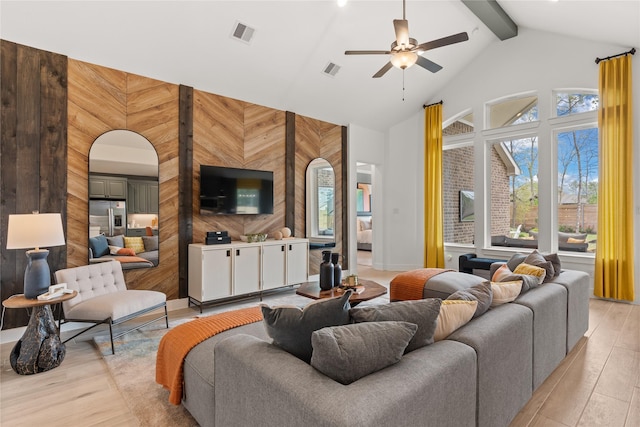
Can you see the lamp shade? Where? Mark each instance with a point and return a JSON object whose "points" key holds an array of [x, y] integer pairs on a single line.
{"points": [[26, 231], [404, 59]]}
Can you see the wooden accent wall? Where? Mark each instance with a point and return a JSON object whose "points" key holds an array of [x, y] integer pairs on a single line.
{"points": [[32, 154], [102, 99], [315, 138], [232, 133], [53, 108]]}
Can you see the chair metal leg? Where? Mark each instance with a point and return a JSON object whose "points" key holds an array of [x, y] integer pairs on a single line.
{"points": [[166, 316], [113, 349]]}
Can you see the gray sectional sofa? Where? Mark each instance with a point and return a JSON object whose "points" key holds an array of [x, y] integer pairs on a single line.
{"points": [[481, 375]]}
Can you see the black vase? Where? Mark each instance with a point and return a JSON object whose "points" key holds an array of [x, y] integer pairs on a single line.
{"points": [[326, 271], [337, 269]]}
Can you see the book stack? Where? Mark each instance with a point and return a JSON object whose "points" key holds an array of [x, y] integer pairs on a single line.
{"points": [[217, 238]]}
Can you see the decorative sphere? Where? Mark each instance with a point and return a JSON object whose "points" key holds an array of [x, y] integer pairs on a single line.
{"points": [[277, 235], [286, 232]]}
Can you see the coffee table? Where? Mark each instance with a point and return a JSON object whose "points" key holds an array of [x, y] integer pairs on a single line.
{"points": [[371, 290]]}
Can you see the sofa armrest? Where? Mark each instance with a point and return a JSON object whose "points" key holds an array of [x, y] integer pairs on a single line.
{"points": [[257, 383]]}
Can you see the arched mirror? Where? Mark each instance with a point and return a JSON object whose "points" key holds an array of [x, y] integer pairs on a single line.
{"points": [[123, 200], [320, 210]]}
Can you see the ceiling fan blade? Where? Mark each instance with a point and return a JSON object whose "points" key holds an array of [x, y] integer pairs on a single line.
{"points": [[383, 70], [367, 52], [402, 31], [445, 41], [428, 65]]}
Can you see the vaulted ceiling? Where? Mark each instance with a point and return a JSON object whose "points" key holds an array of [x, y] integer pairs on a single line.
{"points": [[189, 42]]}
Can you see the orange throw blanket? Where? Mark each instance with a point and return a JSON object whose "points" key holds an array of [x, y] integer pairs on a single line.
{"points": [[177, 343], [409, 285]]}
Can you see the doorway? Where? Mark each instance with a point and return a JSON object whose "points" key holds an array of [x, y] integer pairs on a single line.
{"points": [[364, 213]]}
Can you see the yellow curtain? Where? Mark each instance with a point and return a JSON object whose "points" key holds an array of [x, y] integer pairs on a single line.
{"points": [[614, 274], [433, 211]]}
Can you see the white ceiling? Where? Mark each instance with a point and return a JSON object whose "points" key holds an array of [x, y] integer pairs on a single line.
{"points": [[188, 42]]}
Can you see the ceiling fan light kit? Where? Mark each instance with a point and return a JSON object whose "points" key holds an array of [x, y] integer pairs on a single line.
{"points": [[406, 51], [404, 59]]}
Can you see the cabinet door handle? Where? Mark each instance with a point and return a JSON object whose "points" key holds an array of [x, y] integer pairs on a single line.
{"points": [[228, 252], [290, 247], [237, 252], [282, 248]]}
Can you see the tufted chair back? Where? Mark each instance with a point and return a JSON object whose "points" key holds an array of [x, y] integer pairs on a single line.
{"points": [[91, 281]]}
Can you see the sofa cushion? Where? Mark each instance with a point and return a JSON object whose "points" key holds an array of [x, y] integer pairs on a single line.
{"points": [[531, 270], [423, 313], [504, 292], [291, 327], [536, 258], [99, 246], [453, 315], [481, 292], [350, 352]]}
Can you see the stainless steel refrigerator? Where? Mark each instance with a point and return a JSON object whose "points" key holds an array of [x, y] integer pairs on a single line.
{"points": [[110, 215]]}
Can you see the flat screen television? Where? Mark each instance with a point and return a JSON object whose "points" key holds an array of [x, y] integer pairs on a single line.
{"points": [[231, 191]]}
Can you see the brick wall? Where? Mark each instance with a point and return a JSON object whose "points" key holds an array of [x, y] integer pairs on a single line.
{"points": [[457, 166], [500, 206]]}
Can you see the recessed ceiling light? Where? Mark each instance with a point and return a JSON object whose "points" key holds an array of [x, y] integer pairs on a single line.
{"points": [[342, 3]]}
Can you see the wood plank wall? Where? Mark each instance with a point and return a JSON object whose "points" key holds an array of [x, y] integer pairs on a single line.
{"points": [[315, 138], [49, 128], [32, 154], [102, 99], [232, 133]]}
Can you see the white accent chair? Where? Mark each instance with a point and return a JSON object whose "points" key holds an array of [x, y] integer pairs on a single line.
{"points": [[103, 297]]}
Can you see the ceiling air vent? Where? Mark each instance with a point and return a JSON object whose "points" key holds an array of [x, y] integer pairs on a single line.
{"points": [[331, 69], [243, 32]]}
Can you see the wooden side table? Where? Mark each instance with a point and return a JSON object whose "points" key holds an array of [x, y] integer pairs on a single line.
{"points": [[371, 290], [40, 348]]}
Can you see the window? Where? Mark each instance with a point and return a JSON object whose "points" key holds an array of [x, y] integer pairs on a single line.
{"points": [[514, 192], [577, 189], [325, 201], [512, 111], [459, 126], [457, 167], [574, 103]]}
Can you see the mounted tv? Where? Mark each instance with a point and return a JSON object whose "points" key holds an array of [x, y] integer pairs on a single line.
{"points": [[231, 191]]}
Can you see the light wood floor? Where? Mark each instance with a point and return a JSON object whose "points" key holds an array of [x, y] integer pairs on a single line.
{"points": [[598, 383]]}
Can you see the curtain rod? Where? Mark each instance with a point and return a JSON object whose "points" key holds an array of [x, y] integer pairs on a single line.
{"points": [[632, 51], [435, 103]]}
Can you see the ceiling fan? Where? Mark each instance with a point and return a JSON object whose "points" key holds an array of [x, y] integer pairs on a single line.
{"points": [[405, 51]]}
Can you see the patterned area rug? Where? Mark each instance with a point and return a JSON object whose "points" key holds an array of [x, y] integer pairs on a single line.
{"points": [[133, 370]]}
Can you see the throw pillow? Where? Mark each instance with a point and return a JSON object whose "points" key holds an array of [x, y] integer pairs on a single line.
{"points": [[115, 250], [536, 258], [291, 327], [150, 243], [116, 240], [573, 240], [481, 292], [453, 315], [504, 292], [555, 260], [531, 270], [99, 246], [134, 243], [421, 312], [501, 272], [515, 260], [350, 352]]}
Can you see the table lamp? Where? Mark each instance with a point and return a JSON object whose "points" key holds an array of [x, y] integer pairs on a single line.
{"points": [[35, 230]]}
